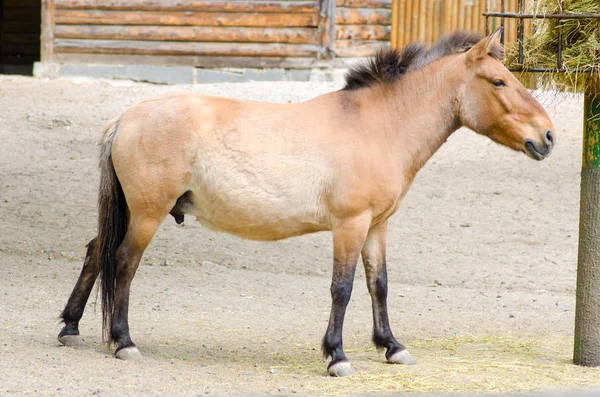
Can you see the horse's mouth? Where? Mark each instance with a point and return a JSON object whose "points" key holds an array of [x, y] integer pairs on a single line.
{"points": [[536, 152]]}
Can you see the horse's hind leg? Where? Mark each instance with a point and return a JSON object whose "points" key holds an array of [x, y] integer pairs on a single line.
{"points": [[348, 238], [140, 231], [373, 254], [69, 335]]}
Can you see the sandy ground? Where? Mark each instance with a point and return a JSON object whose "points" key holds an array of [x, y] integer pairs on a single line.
{"points": [[482, 259]]}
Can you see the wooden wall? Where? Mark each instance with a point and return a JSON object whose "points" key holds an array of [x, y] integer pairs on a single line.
{"points": [[214, 33], [427, 20], [19, 32], [209, 33], [362, 26]]}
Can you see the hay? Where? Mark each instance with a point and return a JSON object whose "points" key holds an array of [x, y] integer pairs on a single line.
{"points": [[581, 47], [482, 364]]}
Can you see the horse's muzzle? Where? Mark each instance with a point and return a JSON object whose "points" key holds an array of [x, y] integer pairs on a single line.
{"points": [[539, 151]]}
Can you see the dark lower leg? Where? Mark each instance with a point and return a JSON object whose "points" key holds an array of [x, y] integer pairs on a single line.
{"points": [[127, 264], [373, 255], [341, 290], [382, 333], [79, 296]]}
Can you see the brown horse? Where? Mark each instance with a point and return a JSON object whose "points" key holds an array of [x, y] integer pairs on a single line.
{"points": [[341, 162]]}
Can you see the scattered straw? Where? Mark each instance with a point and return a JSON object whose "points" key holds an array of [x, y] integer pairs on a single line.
{"points": [[462, 364]]}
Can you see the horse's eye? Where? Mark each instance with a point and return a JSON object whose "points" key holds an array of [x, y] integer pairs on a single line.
{"points": [[499, 83]]}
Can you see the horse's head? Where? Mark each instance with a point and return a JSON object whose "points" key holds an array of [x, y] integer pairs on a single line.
{"points": [[494, 103]]}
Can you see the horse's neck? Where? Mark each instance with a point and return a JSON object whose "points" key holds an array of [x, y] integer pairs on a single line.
{"points": [[423, 112]]}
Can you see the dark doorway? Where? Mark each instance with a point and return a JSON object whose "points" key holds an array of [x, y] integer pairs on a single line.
{"points": [[20, 24]]}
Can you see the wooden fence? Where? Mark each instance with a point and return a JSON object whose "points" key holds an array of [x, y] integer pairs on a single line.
{"points": [[427, 20]]}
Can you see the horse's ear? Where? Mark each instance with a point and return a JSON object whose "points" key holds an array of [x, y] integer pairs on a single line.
{"points": [[487, 46]]}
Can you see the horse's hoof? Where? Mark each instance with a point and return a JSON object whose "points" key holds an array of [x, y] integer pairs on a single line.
{"points": [[402, 357], [129, 353], [71, 340], [343, 368]]}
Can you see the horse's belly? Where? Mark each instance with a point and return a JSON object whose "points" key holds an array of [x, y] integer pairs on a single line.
{"points": [[255, 216]]}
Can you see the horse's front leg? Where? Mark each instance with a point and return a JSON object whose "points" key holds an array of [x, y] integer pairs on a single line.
{"points": [[348, 238], [373, 255]]}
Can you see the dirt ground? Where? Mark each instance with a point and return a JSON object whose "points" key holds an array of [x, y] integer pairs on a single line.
{"points": [[482, 260]]}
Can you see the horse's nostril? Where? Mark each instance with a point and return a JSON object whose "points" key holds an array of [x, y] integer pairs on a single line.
{"points": [[549, 137]]}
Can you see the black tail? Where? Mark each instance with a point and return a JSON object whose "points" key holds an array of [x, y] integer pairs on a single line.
{"points": [[112, 226]]}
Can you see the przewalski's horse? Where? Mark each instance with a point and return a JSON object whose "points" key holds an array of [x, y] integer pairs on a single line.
{"points": [[341, 162]]}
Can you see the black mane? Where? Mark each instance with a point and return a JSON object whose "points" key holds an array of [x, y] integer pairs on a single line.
{"points": [[388, 65], [385, 67]]}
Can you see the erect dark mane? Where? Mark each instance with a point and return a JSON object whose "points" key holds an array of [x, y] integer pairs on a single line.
{"points": [[386, 67], [389, 65]]}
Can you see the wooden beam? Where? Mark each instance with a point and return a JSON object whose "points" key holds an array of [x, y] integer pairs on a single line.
{"points": [[395, 25], [363, 32], [189, 33], [326, 28], [80, 17], [586, 351], [358, 16], [365, 3], [183, 48], [47, 34], [193, 60], [353, 48], [191, 5]]}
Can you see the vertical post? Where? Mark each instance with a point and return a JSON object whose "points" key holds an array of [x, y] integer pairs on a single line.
{"points": [[47, 29], [327, 29], [394, 31], [587, 311]]}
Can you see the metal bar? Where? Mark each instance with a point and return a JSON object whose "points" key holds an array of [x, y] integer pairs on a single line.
{"points": [[487, 19], [503, 12], [552, 70], [559, 56], [540, 16], [520, 29]]}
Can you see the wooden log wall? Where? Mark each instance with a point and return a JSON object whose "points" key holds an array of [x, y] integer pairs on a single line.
{"points": [[362, 27], [208, 33], [19, 32], [427, 20]]}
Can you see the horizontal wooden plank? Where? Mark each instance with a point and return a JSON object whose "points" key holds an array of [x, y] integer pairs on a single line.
{"points": [[362, 16], [192, 5], [80, 17], [191, 60], [20, 38], [189, 33], [363, 32], [20, 27], [345, 63], [183, 48], [354, 48], [22, 4], [364, 3]]}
